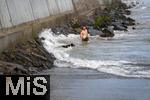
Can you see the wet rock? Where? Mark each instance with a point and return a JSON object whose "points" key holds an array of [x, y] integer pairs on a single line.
{"points": [[125, 25], [119, 26], [87, 22], [75, 23], [133, 28], [42, 38], [133, 4], [26, 56], [94, 32], [127, 12], [59, 30], [77, 30], [123, 6], [130, 21], [107, 33], [65, 30], [69, 45]]}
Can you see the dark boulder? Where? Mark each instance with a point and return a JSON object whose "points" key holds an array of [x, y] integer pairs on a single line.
{"points": [[77, 30], [74, 23], [42, 38], [94, 32], [127, 12], [63, 30], [133, 28], [119, 26], [87, 22], [130, 21], [107, 33], [69, 45]]}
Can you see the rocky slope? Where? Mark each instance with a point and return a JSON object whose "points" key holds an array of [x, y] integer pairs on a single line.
{"points": [[25, 58]]}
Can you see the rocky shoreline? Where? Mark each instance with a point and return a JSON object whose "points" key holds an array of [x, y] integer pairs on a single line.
{"points": [[26, 58], [31, 57], [100, 22]]}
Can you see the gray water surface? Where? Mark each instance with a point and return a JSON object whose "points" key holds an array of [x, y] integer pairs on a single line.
{"points": [[85, 84], [132, 46]]}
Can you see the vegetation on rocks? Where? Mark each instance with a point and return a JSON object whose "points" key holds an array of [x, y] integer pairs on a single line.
{"points": [[102, 21]]}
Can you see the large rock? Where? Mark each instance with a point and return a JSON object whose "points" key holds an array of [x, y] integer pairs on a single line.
{"points": [[77, 30], [94, 32], [119, 26], [130, 21], [26, 58], [65, 30], [107, 33], [68, 45], [87, 22], [127, 12], [74, 23]]}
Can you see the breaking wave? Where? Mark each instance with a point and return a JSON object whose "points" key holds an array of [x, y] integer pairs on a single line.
{"points": [[53, 44]]}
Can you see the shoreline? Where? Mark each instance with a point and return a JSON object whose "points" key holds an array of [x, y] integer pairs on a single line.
{"points": [[31, 57], [85, 73]]}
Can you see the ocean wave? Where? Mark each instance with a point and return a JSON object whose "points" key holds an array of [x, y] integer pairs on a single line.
{"points": [[53, 44]]}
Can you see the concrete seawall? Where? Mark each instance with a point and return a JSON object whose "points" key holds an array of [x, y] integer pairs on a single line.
{"points": [[23, 19]]}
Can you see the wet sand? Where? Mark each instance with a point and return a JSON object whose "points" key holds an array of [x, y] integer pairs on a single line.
{"points": [[79, 84]]}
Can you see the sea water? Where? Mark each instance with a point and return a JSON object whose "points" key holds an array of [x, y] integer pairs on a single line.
{"points": [[127, 54]]}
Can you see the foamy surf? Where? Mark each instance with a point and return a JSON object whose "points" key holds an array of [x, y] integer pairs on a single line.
{"points": [[53, 44]]}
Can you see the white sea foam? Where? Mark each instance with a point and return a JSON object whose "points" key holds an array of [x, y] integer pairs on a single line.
{"points": [[140, 4], [53, 44], [124, 34]]}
